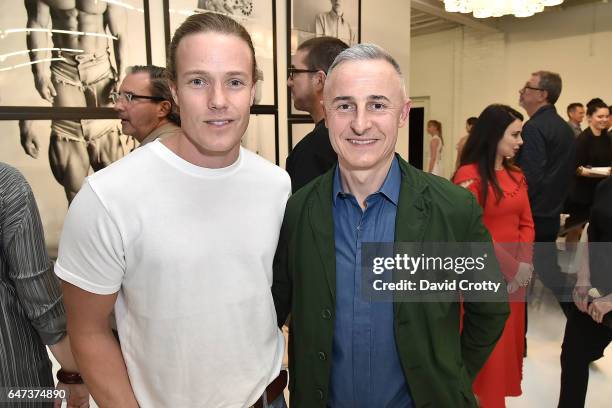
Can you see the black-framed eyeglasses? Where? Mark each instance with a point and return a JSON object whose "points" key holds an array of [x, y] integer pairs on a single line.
{"points": [[532, 88], [292, 71], [129, 97]]}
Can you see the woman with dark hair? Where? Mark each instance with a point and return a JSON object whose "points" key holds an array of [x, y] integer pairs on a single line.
{"points": [[486, 169], [593, 149], [434, 164]]}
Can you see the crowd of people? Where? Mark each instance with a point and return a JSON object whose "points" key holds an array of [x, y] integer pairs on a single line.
{"points": [[197, 251]]}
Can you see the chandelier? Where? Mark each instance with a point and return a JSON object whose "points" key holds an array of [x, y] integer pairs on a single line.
{"points": [[498, 8]]}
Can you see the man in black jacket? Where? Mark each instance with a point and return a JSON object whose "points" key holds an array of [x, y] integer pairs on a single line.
{"points": [[547, 159], [313, 155]]}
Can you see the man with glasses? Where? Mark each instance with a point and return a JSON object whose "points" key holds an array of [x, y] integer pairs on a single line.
{"points": [[313, 155], [547, 159], [145, 106]]}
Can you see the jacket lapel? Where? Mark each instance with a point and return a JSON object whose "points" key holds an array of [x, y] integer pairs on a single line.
{"points": [[413, 212], [320, 215]]}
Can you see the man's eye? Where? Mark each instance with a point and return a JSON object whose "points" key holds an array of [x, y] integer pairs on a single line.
{"points": [[236, 83], [377, 106], [344, 107], [197, 82]]}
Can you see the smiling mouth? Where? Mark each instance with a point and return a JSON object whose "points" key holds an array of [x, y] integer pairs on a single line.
{"points": [[361, 142], [218, 122]]}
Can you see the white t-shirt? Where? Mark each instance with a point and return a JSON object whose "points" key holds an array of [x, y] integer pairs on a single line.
{"points": [[190, 251]]}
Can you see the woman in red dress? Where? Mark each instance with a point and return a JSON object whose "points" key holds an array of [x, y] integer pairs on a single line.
{"points": [[486, 169]]}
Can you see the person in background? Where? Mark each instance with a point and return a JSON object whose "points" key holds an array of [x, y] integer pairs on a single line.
{"points": [[610, 119], [313, 155], [593, 149], [547, 160], [31, 311], [588, 330], [501, 189], [436, 144], [145, 106], [469, 124], [575, 114]]}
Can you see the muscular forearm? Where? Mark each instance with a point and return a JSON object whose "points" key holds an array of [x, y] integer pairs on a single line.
{"points": [[103, 369], [37, 40]]}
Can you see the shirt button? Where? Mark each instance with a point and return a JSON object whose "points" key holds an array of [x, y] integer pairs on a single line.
{"points": [[326, 314], [322, 356], [320, 394]]}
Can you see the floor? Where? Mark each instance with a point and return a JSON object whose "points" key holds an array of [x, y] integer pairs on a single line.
{"points": [[541, 370]]}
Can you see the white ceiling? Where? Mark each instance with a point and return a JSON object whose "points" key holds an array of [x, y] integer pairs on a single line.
{"points": [[428, 16]]}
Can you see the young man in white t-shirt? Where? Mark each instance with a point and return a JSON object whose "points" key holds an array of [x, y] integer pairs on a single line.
{"points": [[179, 239]]}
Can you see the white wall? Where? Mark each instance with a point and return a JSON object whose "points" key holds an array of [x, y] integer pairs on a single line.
{"points": [[463, 70]]}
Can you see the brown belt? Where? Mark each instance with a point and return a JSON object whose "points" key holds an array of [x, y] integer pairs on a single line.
{"points": [[273, 390]]}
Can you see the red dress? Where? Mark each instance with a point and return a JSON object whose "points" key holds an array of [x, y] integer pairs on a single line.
{"points": [[510, 224]]}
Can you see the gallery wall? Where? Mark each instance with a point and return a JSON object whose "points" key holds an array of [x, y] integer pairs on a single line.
{"points": [[50, 195], [463, 70]]}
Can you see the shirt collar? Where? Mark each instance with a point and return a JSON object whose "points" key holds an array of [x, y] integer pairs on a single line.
{"points": [[390, 187]]}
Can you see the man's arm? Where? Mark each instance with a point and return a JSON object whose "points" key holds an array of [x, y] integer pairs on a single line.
{"points": [[91, 264], [320, 25], [483, 322], [115, 18], [281, 282], [39, 16], [96, 351], [533, 159], [29, 140]]}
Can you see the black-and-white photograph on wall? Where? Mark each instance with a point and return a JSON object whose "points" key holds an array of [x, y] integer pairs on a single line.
{"points": [[257, 16], [52, 55], [56, 168], [333, 18]]}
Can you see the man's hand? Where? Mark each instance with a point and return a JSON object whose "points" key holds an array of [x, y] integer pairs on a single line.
{"points": [[581, 296], [78, 396], [29, 141], [599, 307], [45, 87]]}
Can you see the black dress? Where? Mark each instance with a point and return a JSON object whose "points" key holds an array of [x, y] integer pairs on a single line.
{"points": [[591, 151]]}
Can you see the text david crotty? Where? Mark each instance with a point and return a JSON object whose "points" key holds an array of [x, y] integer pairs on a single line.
{"points": [[427, 263]]}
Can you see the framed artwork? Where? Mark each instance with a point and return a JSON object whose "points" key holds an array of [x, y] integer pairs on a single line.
{"points": [[257, 16], [34, 156], [313, 18], [50, 60]]}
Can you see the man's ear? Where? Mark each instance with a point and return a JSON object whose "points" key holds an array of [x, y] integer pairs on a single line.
{"points": [[174, 93], [253, 91], [165, 107], [403, 119], [319, 80]]}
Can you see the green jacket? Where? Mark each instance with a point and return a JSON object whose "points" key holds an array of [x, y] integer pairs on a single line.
{"points": [[439, 362]]}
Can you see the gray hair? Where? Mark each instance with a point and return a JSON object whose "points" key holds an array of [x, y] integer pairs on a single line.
{"points": [[366, 52], [551, 83]]}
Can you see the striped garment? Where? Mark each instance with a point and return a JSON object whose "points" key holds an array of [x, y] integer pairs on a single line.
{"points": [[31, 309]]}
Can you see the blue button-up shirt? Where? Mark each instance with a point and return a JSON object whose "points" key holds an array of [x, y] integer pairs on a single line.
{"points": [[366, 370]]}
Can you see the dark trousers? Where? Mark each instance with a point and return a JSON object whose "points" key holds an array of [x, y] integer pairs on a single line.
{"points": [[584, 341], [545, 262]]}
